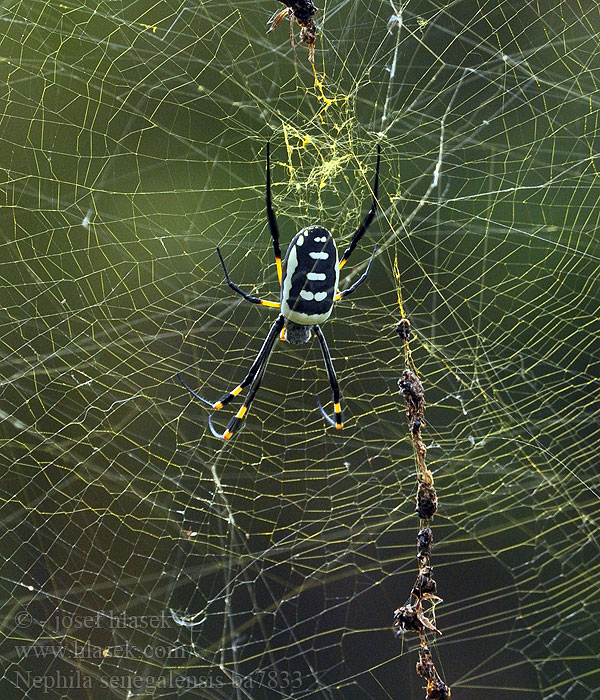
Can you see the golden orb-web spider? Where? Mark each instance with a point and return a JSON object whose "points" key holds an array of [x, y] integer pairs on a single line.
{"points": [[308, 279]]}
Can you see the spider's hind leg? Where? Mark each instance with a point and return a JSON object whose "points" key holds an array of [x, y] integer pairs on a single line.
{"points": [[359, 233]]}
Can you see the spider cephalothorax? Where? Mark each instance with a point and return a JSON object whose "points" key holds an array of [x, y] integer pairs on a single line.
{"points": [[308, 279], [296, 334]]}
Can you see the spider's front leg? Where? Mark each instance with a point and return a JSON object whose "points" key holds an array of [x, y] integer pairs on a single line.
{"points": [[254, 377], [333, 383]]}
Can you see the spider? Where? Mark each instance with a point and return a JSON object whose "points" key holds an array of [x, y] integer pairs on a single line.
{"points": [[308, 279]]}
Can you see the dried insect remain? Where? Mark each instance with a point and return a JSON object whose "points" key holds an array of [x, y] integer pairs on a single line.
{"points": [[303, 12]]}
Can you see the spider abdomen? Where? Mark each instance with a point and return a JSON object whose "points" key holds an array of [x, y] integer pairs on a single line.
{"points": [[310, 277]]}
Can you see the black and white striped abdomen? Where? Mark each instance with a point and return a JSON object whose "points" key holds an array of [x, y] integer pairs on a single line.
{"points": [[310, 277]]}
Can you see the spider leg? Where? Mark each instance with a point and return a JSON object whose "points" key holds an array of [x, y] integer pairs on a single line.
{"points": [[236, 421], [192, 392], [255, 368], [241, 292], [359, 233], [333, 382], [359, 281], [254, 377], [271, 214]]}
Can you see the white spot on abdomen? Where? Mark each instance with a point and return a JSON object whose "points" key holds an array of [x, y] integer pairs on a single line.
{"points": [[300, 240], [316, 276], [319, 296], [309, 296], [318, 256]]}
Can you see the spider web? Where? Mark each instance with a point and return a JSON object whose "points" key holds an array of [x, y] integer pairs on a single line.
{"points": [[144, 558]]}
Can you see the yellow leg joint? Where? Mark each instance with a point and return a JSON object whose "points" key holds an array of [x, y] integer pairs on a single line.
{"points": [[338, 416], [237, 390], [227, 434], [342, 263], [217, 405], [242, 412], [279, 272]]}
